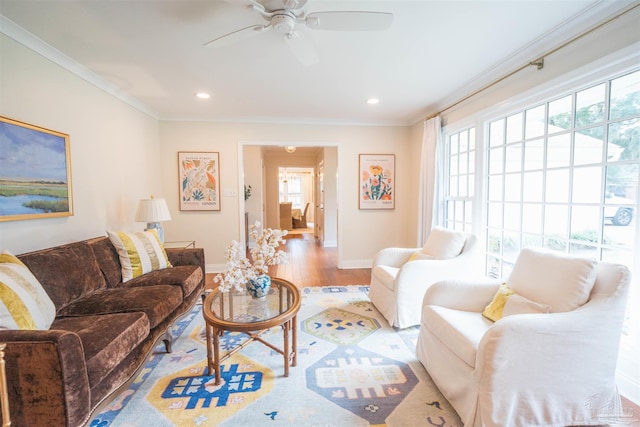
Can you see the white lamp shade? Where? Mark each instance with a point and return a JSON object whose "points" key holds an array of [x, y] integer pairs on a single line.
{"points": [[153, 210]]}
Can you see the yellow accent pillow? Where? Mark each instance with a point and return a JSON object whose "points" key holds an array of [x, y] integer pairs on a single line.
{"points": [[24, 304], [139, 253], [495, 308], [506, 302]]}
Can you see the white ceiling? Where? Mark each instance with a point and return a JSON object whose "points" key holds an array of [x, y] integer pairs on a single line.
{"points": [[151, 54]]}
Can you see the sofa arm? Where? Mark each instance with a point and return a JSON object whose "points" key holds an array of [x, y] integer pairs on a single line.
{"points": [[46, 378], [462, 295], [186, 256], [393, 257]]}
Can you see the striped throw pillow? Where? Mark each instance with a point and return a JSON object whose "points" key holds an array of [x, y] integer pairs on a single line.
{"points": [[139, 253], [24, 304]]}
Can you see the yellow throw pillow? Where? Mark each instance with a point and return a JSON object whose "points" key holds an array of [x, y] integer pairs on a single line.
{"points": [[495, 308], [506, 302], [24, 304], [139, 253]]}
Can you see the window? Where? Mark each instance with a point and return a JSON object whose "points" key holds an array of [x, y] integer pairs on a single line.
{"points": [[461, 149], [290, 187], [564, 175]]}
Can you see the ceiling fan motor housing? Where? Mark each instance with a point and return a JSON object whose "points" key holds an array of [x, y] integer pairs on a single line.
{"points": [[283, 23]]}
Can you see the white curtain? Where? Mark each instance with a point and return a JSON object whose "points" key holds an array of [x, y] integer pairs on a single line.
{"points": [[428, 214]]}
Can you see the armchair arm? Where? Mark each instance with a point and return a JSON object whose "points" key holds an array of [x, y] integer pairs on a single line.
{"points": [[393, 257], [462, 294], [46, 378], [576, 351]]}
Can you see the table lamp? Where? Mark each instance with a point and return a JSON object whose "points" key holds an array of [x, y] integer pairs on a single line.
{"points": [[153, 211]]}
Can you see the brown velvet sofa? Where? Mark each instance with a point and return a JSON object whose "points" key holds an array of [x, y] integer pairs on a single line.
{"points": [[103, 332]]}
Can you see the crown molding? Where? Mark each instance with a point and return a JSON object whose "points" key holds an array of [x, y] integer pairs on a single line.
{"points": [[30, 41]]}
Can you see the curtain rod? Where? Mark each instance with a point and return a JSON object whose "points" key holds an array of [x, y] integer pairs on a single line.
{"points": [[538, 62]]}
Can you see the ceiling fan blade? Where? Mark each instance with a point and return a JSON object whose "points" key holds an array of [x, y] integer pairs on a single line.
{"points": [[302, 49], [349, 21], [237, 36]]}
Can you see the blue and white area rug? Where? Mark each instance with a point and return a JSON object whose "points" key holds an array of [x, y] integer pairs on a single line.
{"points": [[353, 370]]}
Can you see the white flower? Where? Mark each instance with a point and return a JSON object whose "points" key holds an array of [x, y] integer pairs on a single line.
{"points": [[240, 270]]}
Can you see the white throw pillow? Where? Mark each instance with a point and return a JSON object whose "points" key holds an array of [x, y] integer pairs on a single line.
{"points": [[24, 304], [443, 243], [559, 280], [139, 253]]}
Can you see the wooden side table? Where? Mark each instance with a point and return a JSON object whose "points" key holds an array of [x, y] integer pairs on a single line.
{"points": [[239, 312], [180, 244]]}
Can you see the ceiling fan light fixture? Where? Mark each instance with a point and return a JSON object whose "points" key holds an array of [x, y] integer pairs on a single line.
{"points": [[283, 23], [290, 149]]}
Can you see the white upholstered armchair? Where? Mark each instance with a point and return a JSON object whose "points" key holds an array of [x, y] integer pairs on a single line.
{"points": [[400, 276], [550, 356]]}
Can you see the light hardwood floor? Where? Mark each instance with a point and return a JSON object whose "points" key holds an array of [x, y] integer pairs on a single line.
{"points": [[310, 264]]}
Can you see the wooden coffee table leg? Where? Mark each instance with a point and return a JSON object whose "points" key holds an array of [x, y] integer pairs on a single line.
{"points": [[285, 327], [294, 340], [216, 354], [207, 332]]}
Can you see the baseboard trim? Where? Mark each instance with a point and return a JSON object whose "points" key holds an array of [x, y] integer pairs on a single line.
{"points": [[363, 263]]}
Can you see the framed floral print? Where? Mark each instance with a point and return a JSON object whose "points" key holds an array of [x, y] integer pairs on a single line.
{"points": [[377, 181], [35, 172], [199, 181]]}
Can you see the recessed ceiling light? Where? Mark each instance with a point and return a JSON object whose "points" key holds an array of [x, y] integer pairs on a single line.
{"points": [[373, 101], [203, 95]]}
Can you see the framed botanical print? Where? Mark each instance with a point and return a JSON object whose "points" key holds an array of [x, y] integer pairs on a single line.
{"points": [[377, 181], [35, 172], [199, 174]]}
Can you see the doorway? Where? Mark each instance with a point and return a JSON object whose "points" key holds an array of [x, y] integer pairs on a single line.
{"points": [[297, 187], [264, 166]]}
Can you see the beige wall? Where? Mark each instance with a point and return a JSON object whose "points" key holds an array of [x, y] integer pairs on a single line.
{"points": [[120, 155], [114, 149], [360, 234]]}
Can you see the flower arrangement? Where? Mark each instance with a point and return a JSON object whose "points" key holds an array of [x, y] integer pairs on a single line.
{"points": [[241, 270]]}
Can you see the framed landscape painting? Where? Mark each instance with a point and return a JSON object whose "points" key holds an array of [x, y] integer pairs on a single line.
{"points": [[199, 174], [377, 181], [35, 172]]}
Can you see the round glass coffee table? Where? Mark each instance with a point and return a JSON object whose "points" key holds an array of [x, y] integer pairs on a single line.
{"points": [[237, 311]]}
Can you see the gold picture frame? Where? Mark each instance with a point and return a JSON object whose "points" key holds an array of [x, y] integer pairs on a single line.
{"points": [[35, 181], [377, 181], [199, 174]]}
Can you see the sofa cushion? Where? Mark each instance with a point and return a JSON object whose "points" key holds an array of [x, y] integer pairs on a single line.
{"points": [[188, 277], [108, 260], [66, 272], [443, 243], [139, 253], [460, 331], [23, 302], [386, 275], [106, 339], [559, 280], [157, 302]]}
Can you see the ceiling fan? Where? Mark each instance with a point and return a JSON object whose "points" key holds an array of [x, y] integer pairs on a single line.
{"points": [[285, 15]]}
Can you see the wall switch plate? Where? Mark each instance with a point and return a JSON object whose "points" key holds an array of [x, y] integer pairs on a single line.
{"points": [[230, 193]]}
